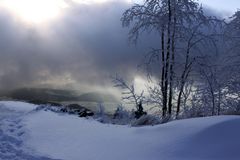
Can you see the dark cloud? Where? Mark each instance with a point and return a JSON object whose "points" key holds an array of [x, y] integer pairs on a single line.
{"points": [[79, 50], [82, 48]]}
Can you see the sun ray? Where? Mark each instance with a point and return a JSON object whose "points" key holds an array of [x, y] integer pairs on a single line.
{"points": [[35, 11]]}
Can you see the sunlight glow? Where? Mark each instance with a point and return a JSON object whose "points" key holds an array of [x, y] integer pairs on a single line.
{"points": [[90, 1], [39, 11], [35, 11], [140, 84]]}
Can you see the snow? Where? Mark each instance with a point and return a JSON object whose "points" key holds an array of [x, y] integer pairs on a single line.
{"points": [[66, 137], [17, 106], [12, 132]]}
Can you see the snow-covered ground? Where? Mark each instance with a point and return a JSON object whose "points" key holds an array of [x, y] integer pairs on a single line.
{"points": [[27, 134], [13, 132]]}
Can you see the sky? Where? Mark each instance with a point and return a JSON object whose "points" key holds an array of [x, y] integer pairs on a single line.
{"points": [[73, 44], [222, 5]]}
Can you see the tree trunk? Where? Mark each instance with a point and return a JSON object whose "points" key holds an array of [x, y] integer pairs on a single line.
{"points": [[164, 107], [180, 92], [179, 102], [219, 101], [185, 74], [172, 60], [168, 53], [213, 102]]}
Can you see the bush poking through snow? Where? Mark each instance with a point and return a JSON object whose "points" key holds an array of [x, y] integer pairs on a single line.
{"points": [[146, 120], [122, 116], [120, 113], [77, 109], [70, 109], [139, 113]]}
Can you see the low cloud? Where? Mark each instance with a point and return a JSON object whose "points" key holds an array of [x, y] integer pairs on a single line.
{"points": [[79, 50], [82, 48]]}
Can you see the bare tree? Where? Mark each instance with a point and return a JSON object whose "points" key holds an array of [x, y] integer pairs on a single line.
{"points": [[129, 94]]}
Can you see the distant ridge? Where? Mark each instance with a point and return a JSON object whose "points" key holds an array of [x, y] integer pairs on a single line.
{"points": [[42, 94]]}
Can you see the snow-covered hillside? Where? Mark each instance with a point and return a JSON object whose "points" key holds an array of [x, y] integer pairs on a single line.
{"points": [[41, 134]]}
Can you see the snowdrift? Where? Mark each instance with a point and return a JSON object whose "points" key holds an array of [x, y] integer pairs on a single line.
{"points": [[60, 136]]}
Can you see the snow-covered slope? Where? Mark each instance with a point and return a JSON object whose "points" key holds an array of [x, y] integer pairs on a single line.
{"points": [[13, 132], [70, 138]]}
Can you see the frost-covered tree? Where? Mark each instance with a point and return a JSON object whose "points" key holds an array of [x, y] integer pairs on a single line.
{"points": [[232, 61], [179, 24], [217, 70]]}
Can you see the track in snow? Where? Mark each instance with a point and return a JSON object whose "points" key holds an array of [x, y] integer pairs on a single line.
{"points": [[11, 137]]}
